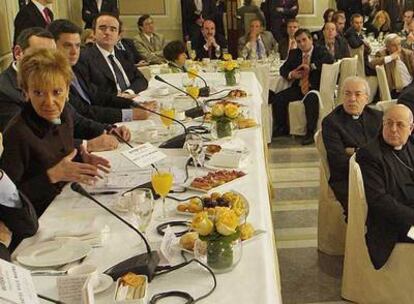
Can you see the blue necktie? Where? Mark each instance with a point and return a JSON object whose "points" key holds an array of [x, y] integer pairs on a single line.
{"points": [[258, 50], [76, 84]]}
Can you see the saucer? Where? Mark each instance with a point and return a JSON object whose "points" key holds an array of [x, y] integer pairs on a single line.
{"points": [[105, 281]]}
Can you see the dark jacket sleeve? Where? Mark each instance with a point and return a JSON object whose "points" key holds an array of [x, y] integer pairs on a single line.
{"points": [[290, 64], [98, 113], [8, 109], [353, 40], [139, 83], [4, 252], [85, 128]]}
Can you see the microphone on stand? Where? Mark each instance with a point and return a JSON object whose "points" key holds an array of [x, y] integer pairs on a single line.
{"points": [[204, 92], [144, 263], [194, 112]]}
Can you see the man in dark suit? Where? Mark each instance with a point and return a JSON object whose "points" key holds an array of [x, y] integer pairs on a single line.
{"points": [[350, 7], [17, 215], [335, 44], [280, 12], [208, 42], [387, 166], [288, 42], [12, 99], [84, 97], [34, 14], [105, 66], [92, 8], [193, 14], [303, 67], [348, 127], [355, 40]]}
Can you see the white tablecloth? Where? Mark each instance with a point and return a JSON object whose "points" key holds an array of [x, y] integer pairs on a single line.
{"points": [[254, 280]]}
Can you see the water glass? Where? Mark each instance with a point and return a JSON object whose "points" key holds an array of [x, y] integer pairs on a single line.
{"points": [[141, 207]]}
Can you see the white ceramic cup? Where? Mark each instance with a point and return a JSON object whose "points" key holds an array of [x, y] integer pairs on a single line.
{"points": [[87, 271]]}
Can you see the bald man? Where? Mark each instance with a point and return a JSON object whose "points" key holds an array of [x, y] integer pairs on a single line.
{"points": [[387, 166], [208, 41]]}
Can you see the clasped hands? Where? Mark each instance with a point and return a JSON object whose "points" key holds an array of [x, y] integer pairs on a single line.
{"points": [[300, 71]]}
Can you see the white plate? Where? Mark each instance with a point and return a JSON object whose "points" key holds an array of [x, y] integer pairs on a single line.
{"points": [[211, 167], [105, 281], [53, 253]]}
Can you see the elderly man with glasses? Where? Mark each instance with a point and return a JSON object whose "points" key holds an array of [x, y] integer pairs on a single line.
{"points": [[348, 127], [387, 166]]}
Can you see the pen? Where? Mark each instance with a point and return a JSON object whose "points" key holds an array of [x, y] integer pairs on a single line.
{"points": [[104, 193]]}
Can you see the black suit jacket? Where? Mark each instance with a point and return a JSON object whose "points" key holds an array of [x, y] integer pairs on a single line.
{"points": [[4, 253], [338, 135], [12, 101], [189, 16], [90, 10], [22, 222], [355, 40], [390, 204], [320, 55], [29, 16], [349, 7], [341, 47], [94, 68], [198, 46], [105, 108]]}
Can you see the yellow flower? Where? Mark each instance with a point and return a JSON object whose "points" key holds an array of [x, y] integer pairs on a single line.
{"points": [[231, 110], [246, 231], [192, 72], [226, 222], [202, 224], [239, 206], [230, 65], [217, 110], [227, 56]]}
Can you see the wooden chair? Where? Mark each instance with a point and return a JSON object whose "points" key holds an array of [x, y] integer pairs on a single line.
{"points": [[331, 220], [348, 68], [361, 283], [297, 118]]}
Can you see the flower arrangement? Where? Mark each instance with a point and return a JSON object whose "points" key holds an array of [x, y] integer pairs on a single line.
{"points": [[222, 234], [223, 116], [230, 67]]}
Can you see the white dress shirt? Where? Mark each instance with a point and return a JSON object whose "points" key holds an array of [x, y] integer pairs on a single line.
{"points": [[406, 78], [99, 4], [9, 196], [105, 54]]}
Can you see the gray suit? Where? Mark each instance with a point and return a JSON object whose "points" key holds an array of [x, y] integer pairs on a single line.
{"points": [[267, 38], [150, 53]]}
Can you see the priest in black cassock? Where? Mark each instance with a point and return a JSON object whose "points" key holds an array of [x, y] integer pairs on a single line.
{"points": [[348, 127], [387, 167]]}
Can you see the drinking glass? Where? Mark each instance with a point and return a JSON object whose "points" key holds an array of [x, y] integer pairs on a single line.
{"points": [[193, 54], [194, 146], [244, 53], [168, 110], [162, 180], [217, 53], [141, 206]]}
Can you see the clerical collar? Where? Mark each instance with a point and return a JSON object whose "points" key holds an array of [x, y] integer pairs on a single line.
{"points": [[398, 148], [14, 65], [356, 117]]}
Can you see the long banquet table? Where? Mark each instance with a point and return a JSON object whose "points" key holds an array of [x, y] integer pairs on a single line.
{"points": [[256, 277]]}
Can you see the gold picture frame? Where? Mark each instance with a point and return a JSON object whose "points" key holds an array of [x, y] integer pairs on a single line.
{"points": [[140, 7]]}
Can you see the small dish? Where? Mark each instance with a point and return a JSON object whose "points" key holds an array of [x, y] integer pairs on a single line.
{"points": [[104, 282]]}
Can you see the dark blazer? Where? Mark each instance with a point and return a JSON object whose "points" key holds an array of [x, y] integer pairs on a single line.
{"points": [[4, 253], [94, 68], [198, 46], [31, 147], [320, 55], [12, 101], [284, 47], [355, 40], [22, 222], [90, 10], [29, 16], [105, 108], [350, 7], [338, 134], [341, 47], [407, 97], [390, 201], [278, 19], [130, 52], [189, 16]]}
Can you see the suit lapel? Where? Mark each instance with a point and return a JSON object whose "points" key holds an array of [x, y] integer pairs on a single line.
{"points": [[102, 63], [146, 42], [36, 14]]}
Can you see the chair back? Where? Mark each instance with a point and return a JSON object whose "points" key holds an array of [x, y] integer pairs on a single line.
{"points": [[384, 104], [383, 83], [359, 52], [348, 68], [329, 77], [331, 221]]}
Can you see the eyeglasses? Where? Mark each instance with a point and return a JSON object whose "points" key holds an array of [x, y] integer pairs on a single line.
{"points": [[400, 124]]}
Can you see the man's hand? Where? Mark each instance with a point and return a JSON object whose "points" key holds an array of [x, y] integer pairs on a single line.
{"points": [[123, 132], [95, 160], [295, 74], [5, 234], [410, 38], [103, 142], [127, 95], [395, 55], [141, 63], [211, 41], [141, 114], [69, 171], [200, 21]]}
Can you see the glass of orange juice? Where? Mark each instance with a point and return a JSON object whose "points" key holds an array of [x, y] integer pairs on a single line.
{"points": [[168, 112], [162, 181]]}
